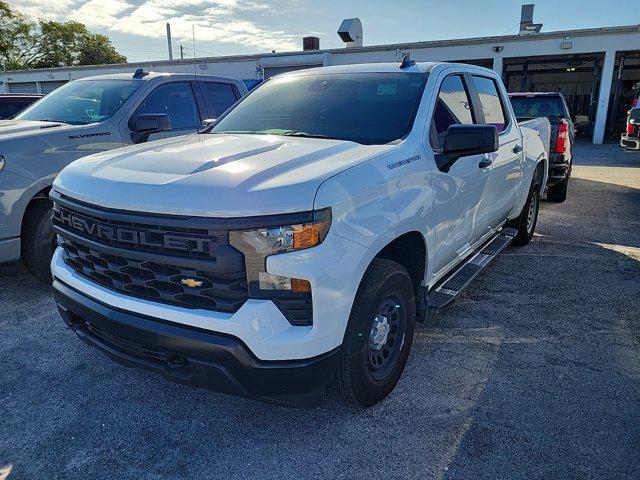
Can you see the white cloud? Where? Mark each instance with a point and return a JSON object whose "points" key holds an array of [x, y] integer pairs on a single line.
{"points": [[214, 20]]}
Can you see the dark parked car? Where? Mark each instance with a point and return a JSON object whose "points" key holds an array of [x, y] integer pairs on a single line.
{"points": [[13, 103], [553, 106]]}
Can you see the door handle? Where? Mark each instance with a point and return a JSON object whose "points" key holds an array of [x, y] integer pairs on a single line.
{"points": [[485, 162], [517, 149]]}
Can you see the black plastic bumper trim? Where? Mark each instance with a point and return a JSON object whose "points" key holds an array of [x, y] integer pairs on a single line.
{"points": [[193, 356]]}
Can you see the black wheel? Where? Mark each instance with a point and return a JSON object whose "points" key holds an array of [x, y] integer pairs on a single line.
{"points": [[526, 222], [558, 192], [378, 336], [38, 241]]}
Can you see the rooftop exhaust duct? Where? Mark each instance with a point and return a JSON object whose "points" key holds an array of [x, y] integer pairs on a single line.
{"points": [[310, 43], [350, 32], [527, 27]]}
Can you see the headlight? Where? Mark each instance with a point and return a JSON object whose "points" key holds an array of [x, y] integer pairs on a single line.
{"points": [[257, 244], [1, 162]]}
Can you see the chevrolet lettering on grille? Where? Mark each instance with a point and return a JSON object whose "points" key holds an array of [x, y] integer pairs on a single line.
{"points": [[131, 236]]}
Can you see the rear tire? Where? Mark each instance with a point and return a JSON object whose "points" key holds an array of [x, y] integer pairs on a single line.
{"points": [[526, 222], [38, 241], [378, 335], [558, 192]]}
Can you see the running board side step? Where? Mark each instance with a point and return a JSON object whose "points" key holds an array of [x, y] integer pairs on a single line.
{"points": [[446, 290]]}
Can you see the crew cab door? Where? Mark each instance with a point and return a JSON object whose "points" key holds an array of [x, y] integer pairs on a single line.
{"points": [[179, 102], [504, 173], [458, 193], [218, 96]]}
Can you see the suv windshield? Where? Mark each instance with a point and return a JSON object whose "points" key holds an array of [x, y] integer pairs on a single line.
{"points": [[531, 107], [368, 108], [82, 102]]}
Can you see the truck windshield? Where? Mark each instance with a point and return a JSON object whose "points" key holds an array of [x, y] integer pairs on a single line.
{"points": [[82, 102], [532, 107], [368, 108]]}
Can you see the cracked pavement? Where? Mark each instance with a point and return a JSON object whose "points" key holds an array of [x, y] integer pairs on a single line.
{"points": [[534, 372]]}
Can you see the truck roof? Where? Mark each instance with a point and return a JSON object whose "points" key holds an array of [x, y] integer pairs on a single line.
{"points": [[535, 94], [418, 67], [21, 95], [147, 76], [386, 67]]}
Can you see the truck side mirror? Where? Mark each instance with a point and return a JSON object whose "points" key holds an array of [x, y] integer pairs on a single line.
{"points": [[145, 124], [465, 140], [207, 124]]}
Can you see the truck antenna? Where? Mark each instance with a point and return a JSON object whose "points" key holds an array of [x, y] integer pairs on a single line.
{"points": [[406, 62], [139, 73]]}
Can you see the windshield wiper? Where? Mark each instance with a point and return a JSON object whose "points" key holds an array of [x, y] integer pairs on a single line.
{"points": [[280, 131], [306, 135], [53, 120]]}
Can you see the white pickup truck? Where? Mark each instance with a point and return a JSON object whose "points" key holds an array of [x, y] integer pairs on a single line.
{"points": [[295, 244], [85, 116]]}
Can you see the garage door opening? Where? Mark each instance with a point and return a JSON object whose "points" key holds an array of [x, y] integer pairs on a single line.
{"points": [[577, 77], [625, 89]]}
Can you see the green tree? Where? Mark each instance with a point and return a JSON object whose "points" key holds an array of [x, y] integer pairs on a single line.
{"points": [[26, 44], [97, 50]]}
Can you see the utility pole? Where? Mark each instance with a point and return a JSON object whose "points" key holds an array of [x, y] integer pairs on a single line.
{"points": [[169, 41], [181, 52]]}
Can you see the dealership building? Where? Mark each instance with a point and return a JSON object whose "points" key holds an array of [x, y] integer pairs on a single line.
{"points": [[597, 69]]}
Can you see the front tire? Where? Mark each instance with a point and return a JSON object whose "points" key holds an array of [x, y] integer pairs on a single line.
{"points": [[379, 335], [526, 222], [38, 241]]}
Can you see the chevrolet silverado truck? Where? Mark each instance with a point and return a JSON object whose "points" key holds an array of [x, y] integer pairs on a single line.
{"points": [[294, 244], [553, 106], [82, 117]]}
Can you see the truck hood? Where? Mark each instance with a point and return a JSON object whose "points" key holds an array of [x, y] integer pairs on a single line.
{"points": [[9, 128], [221, 175]]}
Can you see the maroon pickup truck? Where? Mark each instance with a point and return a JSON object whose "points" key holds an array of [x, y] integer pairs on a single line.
{"points": [[13, 103]]}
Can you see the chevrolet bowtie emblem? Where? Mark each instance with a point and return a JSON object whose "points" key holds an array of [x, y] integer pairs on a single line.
{"points": [[190, 282]]}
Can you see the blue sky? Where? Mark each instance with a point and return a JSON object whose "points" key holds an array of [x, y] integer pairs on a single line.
{"points": [[229, 27]]}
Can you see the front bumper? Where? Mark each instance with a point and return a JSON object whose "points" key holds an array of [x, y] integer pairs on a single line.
{"points": [[193, 356], [333, 268], [629, 143]]}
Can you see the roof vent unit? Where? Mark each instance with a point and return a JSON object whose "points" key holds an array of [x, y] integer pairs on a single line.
{"points": [[527, 27], [310, 43], [350, 32]]}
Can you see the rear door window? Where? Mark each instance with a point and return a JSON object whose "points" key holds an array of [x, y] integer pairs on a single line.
{"points": [[453, 107], [492, 107], [177, 101], [218, 97]]}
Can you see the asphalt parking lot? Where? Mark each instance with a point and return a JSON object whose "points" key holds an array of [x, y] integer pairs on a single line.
{"points": [[533, 373]]}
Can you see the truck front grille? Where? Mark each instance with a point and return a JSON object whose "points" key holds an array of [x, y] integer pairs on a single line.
{"points": [[159, 282], [180, 241], [173, 260]]}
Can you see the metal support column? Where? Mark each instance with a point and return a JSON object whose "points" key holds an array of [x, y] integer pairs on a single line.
{"points": [[523, 80], [603, 97]]}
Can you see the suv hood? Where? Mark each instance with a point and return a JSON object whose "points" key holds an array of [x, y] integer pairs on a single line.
{"points": [[218, 175]]}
